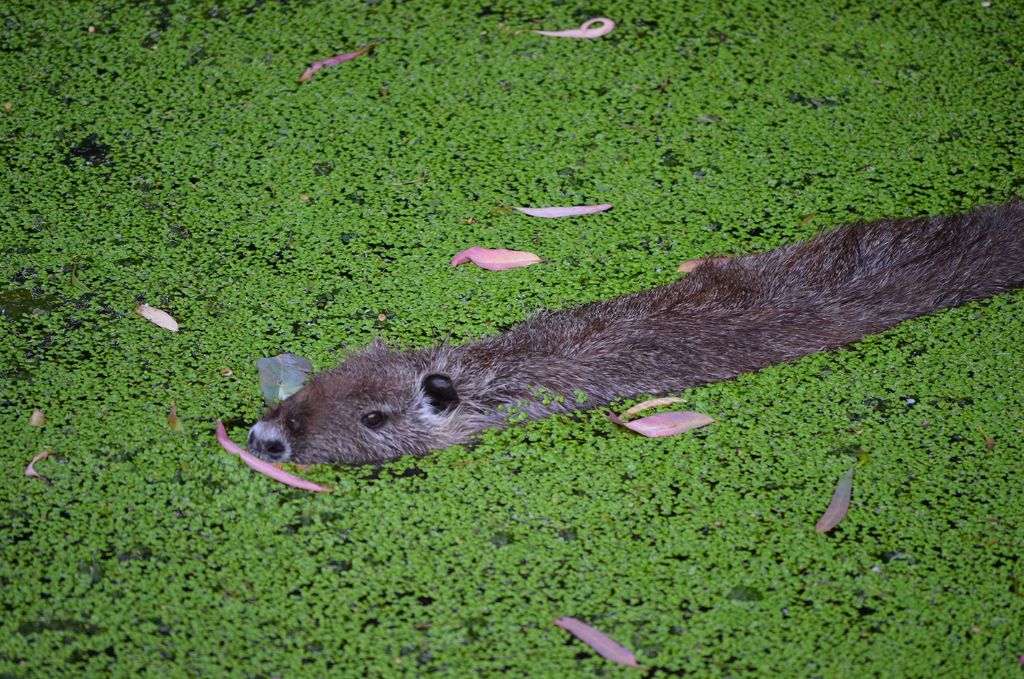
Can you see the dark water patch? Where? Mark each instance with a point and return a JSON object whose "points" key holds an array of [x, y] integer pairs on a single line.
{"points": [[235, 422], [744, 593], [91, 150], [139, 552], [502, 538], [57, 625], [816, 102], [18, 302]]}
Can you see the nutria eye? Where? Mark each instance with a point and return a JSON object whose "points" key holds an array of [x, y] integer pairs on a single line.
{"points": [[374, 419]]}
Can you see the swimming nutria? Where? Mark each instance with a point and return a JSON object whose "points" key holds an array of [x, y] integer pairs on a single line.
{"points": [[725, 318]]}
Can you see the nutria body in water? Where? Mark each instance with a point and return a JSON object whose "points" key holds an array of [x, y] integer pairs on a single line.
{"points": [[723, 319]]}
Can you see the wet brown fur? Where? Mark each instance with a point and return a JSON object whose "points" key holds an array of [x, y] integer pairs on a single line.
{"points": [[721, 320]]}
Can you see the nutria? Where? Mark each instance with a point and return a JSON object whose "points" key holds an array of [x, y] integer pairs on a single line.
{"points": [[724, 318]]}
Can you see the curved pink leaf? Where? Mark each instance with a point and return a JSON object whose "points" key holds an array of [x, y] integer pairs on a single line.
{"points": [[265, 468], [607, 647], [664, 424], [332, 61], [837, 509], [550, 212], [30, 470], [585, 30], [495, 260], [650, 403]]}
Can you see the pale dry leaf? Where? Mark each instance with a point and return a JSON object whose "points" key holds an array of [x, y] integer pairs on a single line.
{"points": [[30, 470], [157, 317]]}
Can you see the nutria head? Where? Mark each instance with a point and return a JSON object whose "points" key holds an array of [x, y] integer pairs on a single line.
{"points": [[376, 406]]}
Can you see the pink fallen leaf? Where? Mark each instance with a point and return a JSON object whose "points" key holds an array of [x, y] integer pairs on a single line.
{"points": [[265, 468], [650, 403], [30, 470], [495, 260], [691, 264], [664, 424], [157, 317], [332, 61], [836, 511], [607, 647], [585, 30], [573, 211]]}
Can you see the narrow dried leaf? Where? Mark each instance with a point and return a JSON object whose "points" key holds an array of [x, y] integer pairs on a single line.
{"points": [[172, 417], [332, 61], [691, 264], [495, 260], [157, 316], [837, 509], [550, 212], [607, 647], [585, 30], [647, 405], [282, 375], [664, 424], [30, 470], [265, 468], [37, 418]]}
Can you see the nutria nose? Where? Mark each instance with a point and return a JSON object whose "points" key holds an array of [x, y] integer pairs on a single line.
{"points": [[266, 442]]}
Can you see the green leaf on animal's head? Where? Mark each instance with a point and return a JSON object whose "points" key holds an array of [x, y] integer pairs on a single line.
{"points": [[282, 375]]}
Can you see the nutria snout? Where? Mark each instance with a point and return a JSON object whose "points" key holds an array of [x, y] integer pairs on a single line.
{"points": [[266, 441]]}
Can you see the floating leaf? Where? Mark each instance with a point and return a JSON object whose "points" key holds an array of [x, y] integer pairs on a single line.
{"points": [[607, 647], [650, 403], [172, 417], [37, 418], [30, 470], [550, 212], [664, 424], [836, 511], [157, 316], [265, 468], [585, 30], [495, 260], [332, 61], [282, 375]]}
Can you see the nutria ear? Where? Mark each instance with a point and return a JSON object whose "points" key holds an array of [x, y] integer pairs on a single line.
{"points": [[440, 392]]}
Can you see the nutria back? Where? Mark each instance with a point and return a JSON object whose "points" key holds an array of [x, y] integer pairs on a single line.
{"points": [[725, 318]]}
